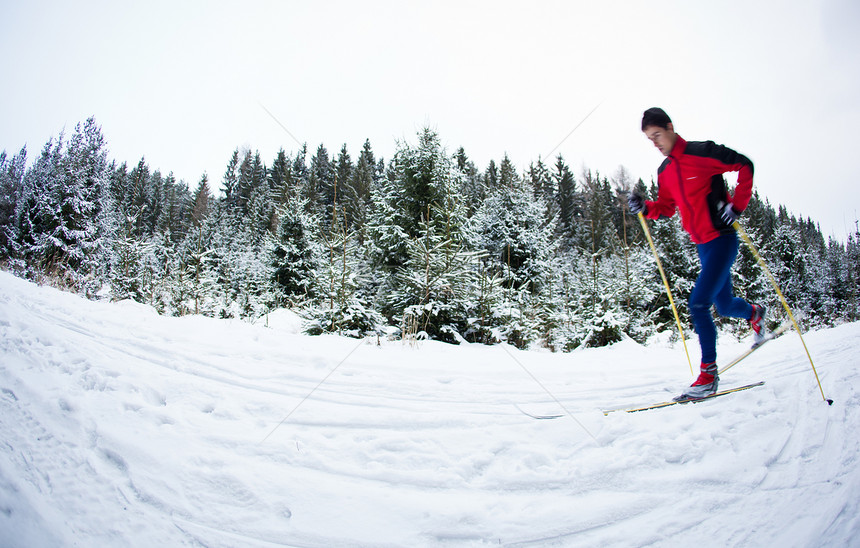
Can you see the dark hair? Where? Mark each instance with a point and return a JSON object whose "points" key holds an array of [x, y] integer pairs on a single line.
{"points": [[655, 116]]}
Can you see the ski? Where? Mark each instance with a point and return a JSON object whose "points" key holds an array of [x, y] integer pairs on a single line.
{"points": [[673, 402], [769, 337], [538, 417]]}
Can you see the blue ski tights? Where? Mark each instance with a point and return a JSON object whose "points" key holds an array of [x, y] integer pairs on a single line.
{"points": [[714, 287]]}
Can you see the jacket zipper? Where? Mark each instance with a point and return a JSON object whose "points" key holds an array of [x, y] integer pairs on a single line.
{"points": [[693, 226]]}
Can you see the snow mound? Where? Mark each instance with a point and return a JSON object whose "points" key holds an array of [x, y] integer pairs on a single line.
{"points": [[284, 320]]}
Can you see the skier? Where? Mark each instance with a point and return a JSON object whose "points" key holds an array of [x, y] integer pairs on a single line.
{"points": [[691, 180]]}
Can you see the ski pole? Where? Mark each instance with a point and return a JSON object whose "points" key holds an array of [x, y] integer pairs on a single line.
{"points": [[748, 241], [666, 285]]}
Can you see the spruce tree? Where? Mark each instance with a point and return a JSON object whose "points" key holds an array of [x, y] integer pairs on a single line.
{"points": [[545, 189], [510, 228], [294, 254], [357, 195], [37, 212], [419, 222], [12, 172], [472, 187], [322, 185], [201, 202], [567, 201], [281, 182]]}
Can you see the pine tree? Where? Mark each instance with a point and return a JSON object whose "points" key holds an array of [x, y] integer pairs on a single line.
{"points": [[545, 189], [341, 307], [851, 275], [567, 201], [252, 186], [418, 209], [301, 176], [322, 185], [11, 187], [294, 254], [281, 179], [177, 207], [509, 227], [491, 177], [201, 202], [598, 234], [436, 282], [195, 284], [70, 216], [36, 212], [472, 188], [230, 181], [357, 198]]}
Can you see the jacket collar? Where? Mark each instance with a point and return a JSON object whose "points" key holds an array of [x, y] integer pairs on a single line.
{"points": [[679, 148]]}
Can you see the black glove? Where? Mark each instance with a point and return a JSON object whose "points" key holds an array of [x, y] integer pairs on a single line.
{"points": [[636, 203], [729, 214]]}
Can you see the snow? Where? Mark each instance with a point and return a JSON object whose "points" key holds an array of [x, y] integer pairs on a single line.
{"points": [[119, 427]]}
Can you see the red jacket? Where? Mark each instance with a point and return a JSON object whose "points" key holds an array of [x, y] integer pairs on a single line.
{"points": [[691, 180]]}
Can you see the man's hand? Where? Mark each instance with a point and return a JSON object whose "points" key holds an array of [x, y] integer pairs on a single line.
{"points": [[729, 214], [636, 203]]}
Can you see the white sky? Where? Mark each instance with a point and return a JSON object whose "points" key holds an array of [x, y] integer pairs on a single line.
{"points": [[182, 82]]}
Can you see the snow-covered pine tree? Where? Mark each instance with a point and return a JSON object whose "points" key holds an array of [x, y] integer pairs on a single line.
{"points": [[244, 282], [568, 201], [322, 186], [438, 281], [230, 181], [636, 273], [193, 283], [176, 209], [340, 305], [356, 197], [201, 202], [491, 177], [596, 232], [295, 254], [786, 260], [300, 183], [602, 278], [281, 179], [851, 275], [545, 189], [36, 212], [244, 278], [815, 294], [593, 293], [132, 195], [126, 269], [12, 172], [72, 250], [839, 287], [472, 187], [510, 227], [418, 210], [191, 278]]}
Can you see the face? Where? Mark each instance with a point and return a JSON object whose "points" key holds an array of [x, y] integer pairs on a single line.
{"points": [[663, 139]]}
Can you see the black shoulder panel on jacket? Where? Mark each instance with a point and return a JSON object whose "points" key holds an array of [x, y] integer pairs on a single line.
{"points": [[664, 165], [724, 154]]}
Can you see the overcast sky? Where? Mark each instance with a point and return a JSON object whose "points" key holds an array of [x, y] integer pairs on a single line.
{"points": [[184, 83]]}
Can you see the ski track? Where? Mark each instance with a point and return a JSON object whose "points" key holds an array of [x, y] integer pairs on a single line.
{"points": [[122, 428]]}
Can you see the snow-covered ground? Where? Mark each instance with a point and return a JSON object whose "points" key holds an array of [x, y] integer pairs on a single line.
{"points": [[119, 427]]}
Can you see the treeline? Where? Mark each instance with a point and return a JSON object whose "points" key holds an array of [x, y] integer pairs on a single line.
{"points": [[423, 245]]}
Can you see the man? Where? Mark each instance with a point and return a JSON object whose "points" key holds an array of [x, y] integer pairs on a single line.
{"points": [[691, 181]]}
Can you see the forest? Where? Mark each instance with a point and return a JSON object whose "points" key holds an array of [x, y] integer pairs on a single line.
{"points": [[423, 245]]}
